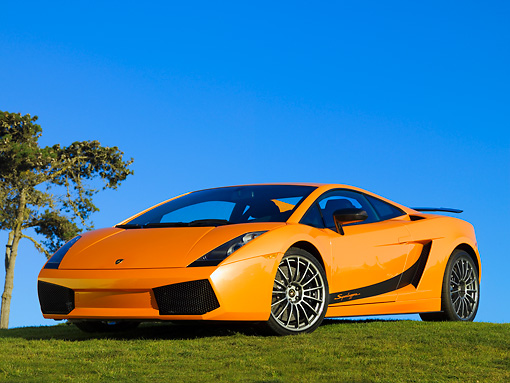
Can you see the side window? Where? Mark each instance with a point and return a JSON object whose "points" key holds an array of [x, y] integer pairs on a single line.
{"points": [[384, 210], [313, 217], [336, 200]]}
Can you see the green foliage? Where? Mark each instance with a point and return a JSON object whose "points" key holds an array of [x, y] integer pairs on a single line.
{"points": [[45, 188], [56, 228], [339, 351]]}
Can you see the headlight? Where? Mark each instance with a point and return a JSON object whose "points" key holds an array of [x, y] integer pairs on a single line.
{"points": [[56, 258], [214, 257]]}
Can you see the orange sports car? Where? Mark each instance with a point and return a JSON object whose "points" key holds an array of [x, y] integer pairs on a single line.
{"points": [[285, 255]]}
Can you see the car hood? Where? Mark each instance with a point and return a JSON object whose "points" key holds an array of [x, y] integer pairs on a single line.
{"points": [[151, 248]]}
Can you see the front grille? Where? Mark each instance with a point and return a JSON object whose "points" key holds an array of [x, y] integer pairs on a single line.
{"points": [[187, 298], [55, 299]]}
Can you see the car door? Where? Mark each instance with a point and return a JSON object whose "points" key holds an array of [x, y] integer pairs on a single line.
{"points": [[369, 258]]}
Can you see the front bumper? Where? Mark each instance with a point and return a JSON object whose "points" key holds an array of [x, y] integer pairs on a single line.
{"points": [[242, 289]]}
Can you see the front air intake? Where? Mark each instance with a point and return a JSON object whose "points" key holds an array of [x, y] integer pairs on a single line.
{"points": [[187, 298], [55, 299]]}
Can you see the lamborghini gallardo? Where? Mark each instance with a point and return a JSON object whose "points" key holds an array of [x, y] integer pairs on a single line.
{"points": [[283, 255]]}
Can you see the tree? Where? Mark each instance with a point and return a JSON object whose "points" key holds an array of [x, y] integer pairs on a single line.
{"points": [[47, 189]]}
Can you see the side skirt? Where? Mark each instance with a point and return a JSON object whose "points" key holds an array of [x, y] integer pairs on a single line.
{"points": [[406, 307]]}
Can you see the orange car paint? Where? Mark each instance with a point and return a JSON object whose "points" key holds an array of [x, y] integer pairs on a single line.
{"points": [[368, 254]]}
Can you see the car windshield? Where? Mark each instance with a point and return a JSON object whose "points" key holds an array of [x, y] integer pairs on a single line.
{"points": [[223, 206]]}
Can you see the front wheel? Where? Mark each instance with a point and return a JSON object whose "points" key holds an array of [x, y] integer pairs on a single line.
{"points": [[461, 290], [300, 294]]}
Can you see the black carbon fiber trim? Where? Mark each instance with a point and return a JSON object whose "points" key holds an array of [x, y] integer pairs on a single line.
{"points": [[186, 298], [55, 299]]}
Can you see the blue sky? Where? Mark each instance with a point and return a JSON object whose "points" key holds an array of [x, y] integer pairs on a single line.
{"points": [[410, 101]]}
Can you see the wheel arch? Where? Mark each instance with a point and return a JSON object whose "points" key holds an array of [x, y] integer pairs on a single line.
{"points": [[468, 249], [307, 246]]}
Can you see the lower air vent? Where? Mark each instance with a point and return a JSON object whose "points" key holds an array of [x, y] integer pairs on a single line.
{"points": [[187, 298], [55, 299]]}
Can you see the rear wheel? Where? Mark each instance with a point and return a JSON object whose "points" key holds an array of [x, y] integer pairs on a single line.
{"points": [[106, 326], [300, 294], [461, 290]]}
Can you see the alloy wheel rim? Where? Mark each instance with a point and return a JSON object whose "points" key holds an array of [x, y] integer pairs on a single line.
{"points": [[463, 288], [298, 294]]}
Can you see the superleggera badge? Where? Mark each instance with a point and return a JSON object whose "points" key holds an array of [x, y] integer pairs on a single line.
{"points": [[346, 296], [118, 261]]}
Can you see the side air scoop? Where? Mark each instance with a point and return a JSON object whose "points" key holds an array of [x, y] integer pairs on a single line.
{"points": [[443, 209]]}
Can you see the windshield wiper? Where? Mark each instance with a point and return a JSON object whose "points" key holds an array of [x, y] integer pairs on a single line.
{"points": [[165, 224], [196, 223], [209, 222], [129, 226]]}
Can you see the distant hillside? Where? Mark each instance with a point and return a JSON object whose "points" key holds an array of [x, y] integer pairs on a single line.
{"points": [[339, 351]]}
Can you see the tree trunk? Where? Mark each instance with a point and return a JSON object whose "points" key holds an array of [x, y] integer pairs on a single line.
{"points": [[11, 252]]}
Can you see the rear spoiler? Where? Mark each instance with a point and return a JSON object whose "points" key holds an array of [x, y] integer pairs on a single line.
{"points": [[443, 209]]}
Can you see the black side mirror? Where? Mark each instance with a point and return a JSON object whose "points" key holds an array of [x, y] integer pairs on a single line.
{"points": [[349, 215]]}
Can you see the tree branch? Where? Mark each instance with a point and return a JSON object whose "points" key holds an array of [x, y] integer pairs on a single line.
{"points": [[37, 245], [75, 208], [51, 175]]}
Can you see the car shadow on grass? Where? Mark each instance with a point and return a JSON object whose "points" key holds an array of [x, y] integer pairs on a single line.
{"points": [[160, 330]]}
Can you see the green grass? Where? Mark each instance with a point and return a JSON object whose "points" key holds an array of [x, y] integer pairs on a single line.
{"points": [[339, 351]]}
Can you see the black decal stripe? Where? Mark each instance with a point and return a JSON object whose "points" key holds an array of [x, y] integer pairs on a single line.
{"points": [[411, 276]]}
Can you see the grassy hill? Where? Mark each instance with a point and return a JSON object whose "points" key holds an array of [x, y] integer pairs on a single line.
{"points": [[339, 351]]}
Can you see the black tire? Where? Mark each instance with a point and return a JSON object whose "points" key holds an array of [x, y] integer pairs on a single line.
{"points": [[432, 317], [300, 294], [460, 295], [106, 326]]}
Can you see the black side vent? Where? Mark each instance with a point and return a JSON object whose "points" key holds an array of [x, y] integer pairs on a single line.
{"points": [[416, 217], [55, 299], [187, 298], [420, 264]]}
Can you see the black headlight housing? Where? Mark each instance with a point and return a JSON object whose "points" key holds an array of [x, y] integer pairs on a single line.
{"points": [[214, 257], [56, 258]]}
